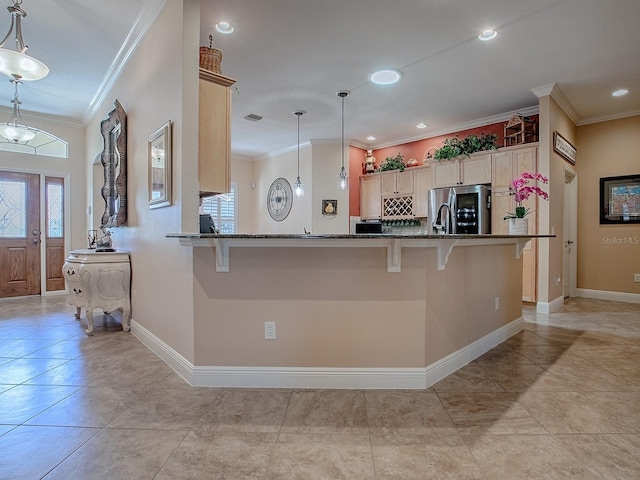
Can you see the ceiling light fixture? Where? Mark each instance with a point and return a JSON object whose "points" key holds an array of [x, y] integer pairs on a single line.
{"points": [[488, 35], [343, 176], [620, 93], [371, 138], [421, 125], [16, 129], [385, 76], [298, 188], [17, 62], [224, 27]]}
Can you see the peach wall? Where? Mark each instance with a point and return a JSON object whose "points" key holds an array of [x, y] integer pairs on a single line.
{"points": [[338, 307], [410, 150], [608, 255], [551, 213]]}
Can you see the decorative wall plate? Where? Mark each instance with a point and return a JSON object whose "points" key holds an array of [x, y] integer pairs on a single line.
{"points": [[279, 199]]}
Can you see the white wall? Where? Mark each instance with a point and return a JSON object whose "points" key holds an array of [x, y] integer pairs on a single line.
{"points": [[286, 166], [327, 160], [159, 83], [242, 175]]}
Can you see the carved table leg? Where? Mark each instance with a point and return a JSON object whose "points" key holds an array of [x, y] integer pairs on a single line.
{"points": [[89, 329], [77, 315], [126, 318]]}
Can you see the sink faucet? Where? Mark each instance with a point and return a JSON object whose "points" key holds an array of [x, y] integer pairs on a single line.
{"points": [[447, 223]]}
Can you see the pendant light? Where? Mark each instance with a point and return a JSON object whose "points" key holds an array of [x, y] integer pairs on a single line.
{"points": [[343, 177], [15, 129], [298, 188], [17, 62]]}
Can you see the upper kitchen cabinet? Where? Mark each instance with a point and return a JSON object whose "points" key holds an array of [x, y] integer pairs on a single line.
{"points": [[370, 197], [214, 136], [472, 170], [509, 163], [421, 187], [396, 182]]}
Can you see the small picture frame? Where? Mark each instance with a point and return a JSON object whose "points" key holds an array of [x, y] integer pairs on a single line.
{"points": [[160, 167], [563, 148], [620, 200], [329, 208]]}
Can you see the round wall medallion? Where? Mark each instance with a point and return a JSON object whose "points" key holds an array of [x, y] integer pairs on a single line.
{"points": [[279, 199]]}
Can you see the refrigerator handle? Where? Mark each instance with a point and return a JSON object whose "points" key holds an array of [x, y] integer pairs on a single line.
{"points": [[453, 208]]}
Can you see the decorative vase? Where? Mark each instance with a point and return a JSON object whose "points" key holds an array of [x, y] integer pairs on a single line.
{"points": [[518, 226]]}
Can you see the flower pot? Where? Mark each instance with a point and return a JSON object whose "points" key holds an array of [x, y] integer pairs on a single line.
{"points": [[518, 226]]}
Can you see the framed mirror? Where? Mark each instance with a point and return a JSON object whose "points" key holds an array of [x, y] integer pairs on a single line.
{"points": [[160, 167], [114, 163]]}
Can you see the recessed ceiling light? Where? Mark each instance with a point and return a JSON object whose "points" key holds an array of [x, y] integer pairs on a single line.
{"points": [[621, 92], [385, 76], [224, 27], [371, 138], [421, 125], [488, 35]]}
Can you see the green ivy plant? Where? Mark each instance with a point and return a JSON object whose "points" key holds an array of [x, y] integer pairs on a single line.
{"points": [[392, 163], [454, 147]]}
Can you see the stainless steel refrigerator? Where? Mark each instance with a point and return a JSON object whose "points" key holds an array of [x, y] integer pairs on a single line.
{"points": [[462, 210]]}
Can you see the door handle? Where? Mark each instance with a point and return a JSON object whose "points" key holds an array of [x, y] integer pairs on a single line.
{"points": [[569, 242], [35, 232], [36, 241]]}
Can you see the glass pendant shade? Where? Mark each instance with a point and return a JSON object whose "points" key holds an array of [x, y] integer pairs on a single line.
{"points": [[343, 176], [15, 129], [17, 62], [343, 179], [298, 188]]}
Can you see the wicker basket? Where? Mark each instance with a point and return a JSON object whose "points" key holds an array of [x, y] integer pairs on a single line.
{"points": [[210, 59]]}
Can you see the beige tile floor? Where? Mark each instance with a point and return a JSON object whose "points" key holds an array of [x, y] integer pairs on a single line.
{"points": [[559, 400]]}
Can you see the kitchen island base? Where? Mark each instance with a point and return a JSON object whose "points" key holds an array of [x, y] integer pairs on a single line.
{"points": [[343, 320]]}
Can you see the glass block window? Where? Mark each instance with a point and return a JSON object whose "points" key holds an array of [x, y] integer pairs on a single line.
{"points": [[55, 210], [13, 209], [222, 209]]}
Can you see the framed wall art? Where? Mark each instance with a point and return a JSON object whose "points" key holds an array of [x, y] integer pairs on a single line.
{"points": [[160, 167], [620, 199], [563, 148]]}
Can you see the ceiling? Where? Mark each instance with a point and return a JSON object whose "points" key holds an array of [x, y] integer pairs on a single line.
{"points": [[289, 55]]}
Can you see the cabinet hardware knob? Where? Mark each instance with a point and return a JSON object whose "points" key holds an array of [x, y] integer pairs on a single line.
{"points": [[77, 291], [71, 272]]}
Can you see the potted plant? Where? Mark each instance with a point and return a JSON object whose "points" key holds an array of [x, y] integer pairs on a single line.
{"points": [[454, 147], [392, 163], [522, 190]]}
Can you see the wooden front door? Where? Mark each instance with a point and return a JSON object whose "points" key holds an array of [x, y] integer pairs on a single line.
{"points": [[19, 234]]}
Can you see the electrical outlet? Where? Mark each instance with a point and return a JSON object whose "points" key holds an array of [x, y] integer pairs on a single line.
{"points": [[497, 303], [269, 330], [636, 277]]}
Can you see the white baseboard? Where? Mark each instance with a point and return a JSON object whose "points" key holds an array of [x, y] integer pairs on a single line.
{"points": [[305, 377], [550, 307], [604, 295]]}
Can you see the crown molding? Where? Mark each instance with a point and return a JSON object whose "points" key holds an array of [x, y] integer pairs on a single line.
{"points": [[554, 91], [480, 122], [607, 118], [150, 11]]}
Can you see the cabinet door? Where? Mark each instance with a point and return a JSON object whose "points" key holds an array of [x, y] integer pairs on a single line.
{"points": [[501, 204], [525, 160], [370, 197], [446, 173], [476, 170], [422, 185], [404, 182], [388, 181], [214, 138], [502, 173]]}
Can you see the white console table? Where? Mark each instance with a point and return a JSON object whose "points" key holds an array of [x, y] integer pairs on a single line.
{"points": [[99, 280]]}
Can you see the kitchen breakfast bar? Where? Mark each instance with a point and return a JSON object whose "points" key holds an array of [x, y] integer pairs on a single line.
{"points": [[348, 311]]}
